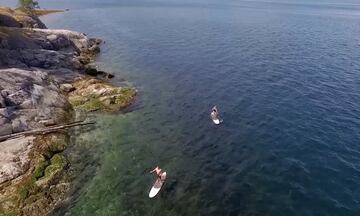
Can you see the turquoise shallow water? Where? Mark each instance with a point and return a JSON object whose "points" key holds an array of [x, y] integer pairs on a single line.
{"points": [[285, 76]]}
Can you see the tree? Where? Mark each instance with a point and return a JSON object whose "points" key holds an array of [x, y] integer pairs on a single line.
{"points": [[28, 5]]}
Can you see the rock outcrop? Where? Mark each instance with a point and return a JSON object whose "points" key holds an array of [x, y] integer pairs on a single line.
{"points": [[47, 49], [92, 94], [43, 81], [18, 18], [14, 157], [29, 97]]}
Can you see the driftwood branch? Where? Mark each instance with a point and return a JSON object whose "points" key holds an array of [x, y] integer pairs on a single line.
{"points": [[45, 130]]}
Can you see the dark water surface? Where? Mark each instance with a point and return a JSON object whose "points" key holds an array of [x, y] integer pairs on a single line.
{"points": [[286, 76]]}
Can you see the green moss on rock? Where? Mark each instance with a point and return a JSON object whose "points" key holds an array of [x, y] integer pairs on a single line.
{"points": [[40, 169], [27, 188], [126, 96], [92, 104], [77, 100], [92, 95], [57, 163]]}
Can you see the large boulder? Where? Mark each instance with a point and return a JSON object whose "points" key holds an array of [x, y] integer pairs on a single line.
{"points": [[58, 41]]}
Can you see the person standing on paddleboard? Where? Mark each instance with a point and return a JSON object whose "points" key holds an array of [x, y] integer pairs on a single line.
{"points": [[158, 172], [214, 113]]}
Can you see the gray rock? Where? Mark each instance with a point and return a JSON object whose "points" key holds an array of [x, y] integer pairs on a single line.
{"points": [[4, 44], [77, 64], [95, 49], [32, 22], [3, 120], [27, 104], [47, 122], [2, 102], [67, 87], [94, 41], [91, 71], [4, 93], [8, 21], [51, 37], [4, 112], [5, 129], [14, 156], [16, 98], [105, 74], [19, 125]]}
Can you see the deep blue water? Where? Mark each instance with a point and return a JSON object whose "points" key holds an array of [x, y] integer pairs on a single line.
{"points": [[286, 77]]}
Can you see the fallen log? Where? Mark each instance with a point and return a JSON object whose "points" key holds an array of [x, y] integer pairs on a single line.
{"points": [[44, 130]]}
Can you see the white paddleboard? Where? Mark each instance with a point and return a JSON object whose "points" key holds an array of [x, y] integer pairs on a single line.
{"points": [[216, 121], [157, 186]]}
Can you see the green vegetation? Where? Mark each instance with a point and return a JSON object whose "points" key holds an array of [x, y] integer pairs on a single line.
{"points": [[11, 213], [40, 169], [27, 188], [92, 95], [43, 171], [77, 100], [92, 105], [58, 163], [88, 104], [28, 5], [127, 95]]}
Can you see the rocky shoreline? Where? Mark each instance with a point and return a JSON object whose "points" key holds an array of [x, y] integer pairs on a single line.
{"points": [[45, 79]]}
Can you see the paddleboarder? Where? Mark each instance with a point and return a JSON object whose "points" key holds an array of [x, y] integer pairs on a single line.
{"points": [[160, 179], [158, 172], [214, 113]]}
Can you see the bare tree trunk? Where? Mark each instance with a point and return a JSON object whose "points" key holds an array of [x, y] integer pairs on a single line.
{"points": [[45, 130]]}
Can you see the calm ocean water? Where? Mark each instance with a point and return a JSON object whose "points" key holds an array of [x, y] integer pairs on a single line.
{"points": [[286, 76]]}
